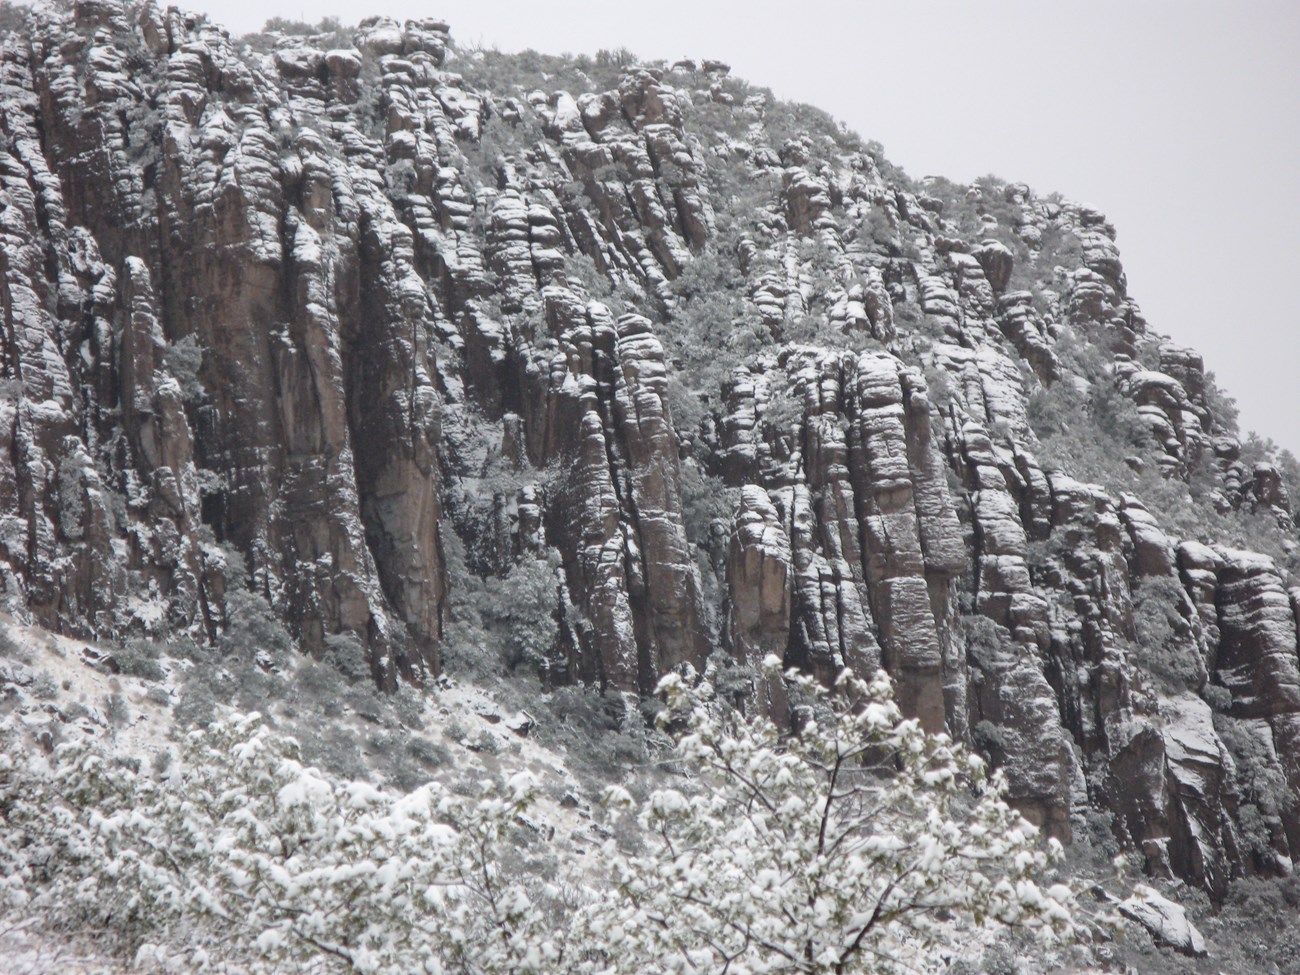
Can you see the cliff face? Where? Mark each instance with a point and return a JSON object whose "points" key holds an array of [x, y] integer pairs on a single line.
{"points": [[298, 317]]}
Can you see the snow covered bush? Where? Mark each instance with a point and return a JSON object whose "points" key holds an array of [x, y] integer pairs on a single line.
{"points": [[860, 844], [248, 857]]}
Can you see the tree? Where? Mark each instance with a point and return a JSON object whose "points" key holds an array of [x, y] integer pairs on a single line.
{"points": [[858, 844], [245, 857]]}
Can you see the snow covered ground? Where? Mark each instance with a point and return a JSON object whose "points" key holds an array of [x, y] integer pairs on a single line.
{"points": [[54, 688]]}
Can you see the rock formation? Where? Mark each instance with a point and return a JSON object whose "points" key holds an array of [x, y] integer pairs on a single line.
{"points": [[314, 315]]}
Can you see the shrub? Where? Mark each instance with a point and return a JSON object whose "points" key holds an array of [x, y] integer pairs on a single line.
{"points": [[183, 359], [408, 706], [139, 658], [1264, 795], [335, 748], [253, 630], [489, 69], [45, 687], [243, 854], [115, 710], [319, 687], [606, 740], [12, 16], [855, 845], [283, 25], [345, 654], [429, 753], [197, 704], [13, 650], [159, 696], [504, 624], [705, 499]]}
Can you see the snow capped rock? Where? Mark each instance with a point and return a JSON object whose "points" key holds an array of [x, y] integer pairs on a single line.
{"points": [[1166, 921], [337, 309]]}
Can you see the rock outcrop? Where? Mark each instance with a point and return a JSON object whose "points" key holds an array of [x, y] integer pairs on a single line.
{"points": [[342, 319]]}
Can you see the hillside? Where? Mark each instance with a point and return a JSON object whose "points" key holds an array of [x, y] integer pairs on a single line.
{"points": [[550, 373]]}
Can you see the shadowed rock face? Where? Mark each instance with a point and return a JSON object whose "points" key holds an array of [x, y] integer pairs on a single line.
{"points": [[299, 317]]}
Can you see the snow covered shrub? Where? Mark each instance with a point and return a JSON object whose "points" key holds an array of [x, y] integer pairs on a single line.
{"points": [[115, 710], [159, 696], [183, 359], [603, 739], [859, 844], [525, 613], [243, 854], [139, 658], [45, 687], [246, 669], [500, 624], [253, 631], [1265, 801], [12, 16], [345, 654], [13, 650]]}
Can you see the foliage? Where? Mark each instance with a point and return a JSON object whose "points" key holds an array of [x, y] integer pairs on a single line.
{"points": [[1256, 930], [1289, 468], [604, 740], [139, 658], [45, 687], [785, 121], [1058, 247], [245, 670], [1086, 426], [701, 337], [1090, 430], [505, 604], [247, 855], [1264, 794], [159, 696], [183, 359], [326, 33], [13, 650], [856, 845], [1223, 408], [705, 499], [12, 16], [489, 69], [115, 710], [284, 25], [503, 623], [500, 138], [878, 231], [253, 629]]}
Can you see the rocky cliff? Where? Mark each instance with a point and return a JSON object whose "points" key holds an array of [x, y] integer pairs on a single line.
{"points": [[347, 318]]}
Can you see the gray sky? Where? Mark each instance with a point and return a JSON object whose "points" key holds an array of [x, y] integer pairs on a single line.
{"points": [[1180, 119]]}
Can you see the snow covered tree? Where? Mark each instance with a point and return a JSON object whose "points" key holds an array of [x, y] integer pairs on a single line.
{"points": [[858, 844], [246, 859]]}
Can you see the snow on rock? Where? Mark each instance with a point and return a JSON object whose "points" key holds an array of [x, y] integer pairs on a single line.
{"points": [[1166, 921], [309, 317]]}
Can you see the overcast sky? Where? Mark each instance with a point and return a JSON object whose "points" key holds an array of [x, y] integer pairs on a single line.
{"points": [[1180, 119]]}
